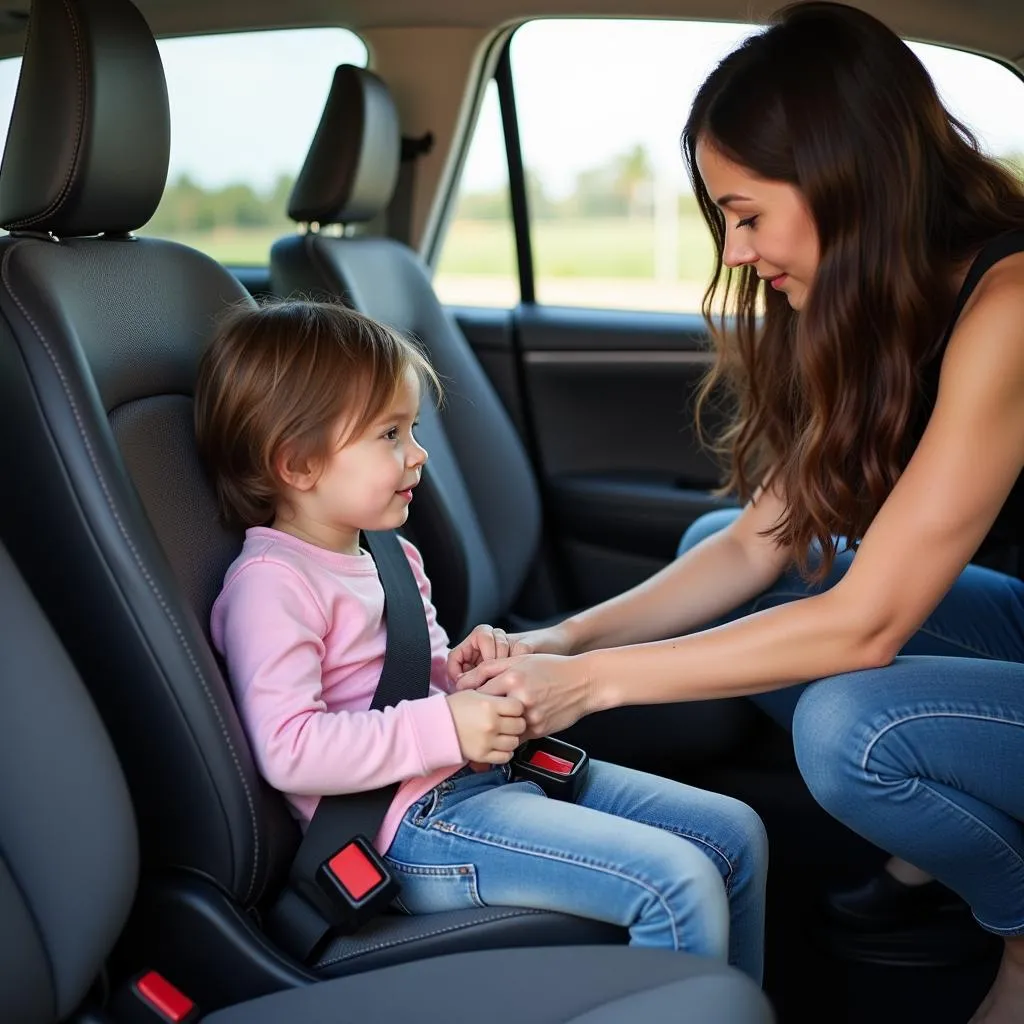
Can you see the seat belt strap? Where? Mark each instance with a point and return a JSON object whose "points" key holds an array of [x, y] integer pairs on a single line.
{"points": [[305, 913], [399, 212], [406, 671]]}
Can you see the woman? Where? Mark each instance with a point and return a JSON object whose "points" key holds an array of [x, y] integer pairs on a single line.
{"points": [[881, 399]]}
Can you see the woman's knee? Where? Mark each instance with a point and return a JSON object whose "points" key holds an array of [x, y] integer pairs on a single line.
{"points": [[829, 727], [705, 526]]}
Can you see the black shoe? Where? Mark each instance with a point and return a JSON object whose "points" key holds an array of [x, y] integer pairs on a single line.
{"points": [[884, 903]]}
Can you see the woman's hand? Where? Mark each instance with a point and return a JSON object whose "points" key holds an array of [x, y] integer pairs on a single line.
{"points": [[487, 643], [554, 690]]}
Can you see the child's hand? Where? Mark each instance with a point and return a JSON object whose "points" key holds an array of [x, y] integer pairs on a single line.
{"points": [[488, 727]]}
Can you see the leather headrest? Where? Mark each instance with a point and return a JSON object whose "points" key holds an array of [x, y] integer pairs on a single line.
{"points": [[90, 134], [352, 166]]}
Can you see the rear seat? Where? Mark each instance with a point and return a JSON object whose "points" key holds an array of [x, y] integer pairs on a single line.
{"points": [[109, 517], [113, 522], [68, 861]]}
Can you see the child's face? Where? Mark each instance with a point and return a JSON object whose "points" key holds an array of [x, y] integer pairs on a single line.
{"points": [[367, 482]]}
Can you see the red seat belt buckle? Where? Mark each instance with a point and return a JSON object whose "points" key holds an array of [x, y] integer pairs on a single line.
{"points": [[357, 884], [559, 768], [150, 997], [558, 765]]}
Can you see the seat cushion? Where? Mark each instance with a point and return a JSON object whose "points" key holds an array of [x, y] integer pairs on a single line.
{"points": [[568, 985], [394, 938]]}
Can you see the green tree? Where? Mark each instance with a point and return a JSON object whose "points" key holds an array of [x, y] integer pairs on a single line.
{"points": [[619, 188], [187, 208], [634, 180], [493, 204]]}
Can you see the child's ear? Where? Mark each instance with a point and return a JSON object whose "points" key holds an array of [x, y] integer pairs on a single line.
{"points": [[295, 471]]}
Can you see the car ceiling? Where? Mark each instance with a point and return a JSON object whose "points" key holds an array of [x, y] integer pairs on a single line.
{"points": [[995, 27]]}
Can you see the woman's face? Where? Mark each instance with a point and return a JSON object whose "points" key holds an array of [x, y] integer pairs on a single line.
{"points": [[767, 225]]}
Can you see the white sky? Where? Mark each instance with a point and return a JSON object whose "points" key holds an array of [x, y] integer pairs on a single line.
{"points": [[588, 90], [245, 107]]}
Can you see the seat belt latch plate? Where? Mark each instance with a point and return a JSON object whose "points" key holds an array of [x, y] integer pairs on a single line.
{"points": [[357, 883], [149, 998]]}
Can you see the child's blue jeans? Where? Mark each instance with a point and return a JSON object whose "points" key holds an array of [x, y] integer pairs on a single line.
{"points": [[924, 757], [679, 867]]}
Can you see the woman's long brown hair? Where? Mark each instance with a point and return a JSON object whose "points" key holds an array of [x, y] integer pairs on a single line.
{"points": [[824, 402]]}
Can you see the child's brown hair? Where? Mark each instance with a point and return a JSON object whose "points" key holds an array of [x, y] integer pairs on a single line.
{"points": [[277, 376]]}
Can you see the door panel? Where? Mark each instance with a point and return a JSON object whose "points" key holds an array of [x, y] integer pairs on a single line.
{"points": [[609, 398], [489, 333]]}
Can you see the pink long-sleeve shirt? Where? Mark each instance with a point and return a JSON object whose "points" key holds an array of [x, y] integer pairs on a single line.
{"points": [[302, 631]]}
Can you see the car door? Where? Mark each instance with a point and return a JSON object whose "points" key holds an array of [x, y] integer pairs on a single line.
{"points": [[576, 262], [578, 279]]}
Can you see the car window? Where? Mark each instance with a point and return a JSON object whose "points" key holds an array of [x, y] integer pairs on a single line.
{"points": [[477, 266], [244, 107], [613, 221]]}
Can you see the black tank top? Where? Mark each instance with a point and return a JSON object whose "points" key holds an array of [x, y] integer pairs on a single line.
{"points": [[1005, 541]]}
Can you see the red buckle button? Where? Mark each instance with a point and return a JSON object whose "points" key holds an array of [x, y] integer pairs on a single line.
{"points": [[356, 884], [356, 872], [163, 997], [558, 765]]}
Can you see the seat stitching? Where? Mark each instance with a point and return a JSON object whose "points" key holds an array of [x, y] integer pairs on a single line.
{"points": [[428, 935], [4, 275], [903, 719]]}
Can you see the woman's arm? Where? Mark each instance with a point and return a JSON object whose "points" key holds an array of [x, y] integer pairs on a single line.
{"points": [[718, 574], [712, 578], [921, 539]]}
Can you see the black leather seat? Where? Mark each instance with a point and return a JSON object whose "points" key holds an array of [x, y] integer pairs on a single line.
{"points": [[110, 518], [68, 863], [477, 513]]}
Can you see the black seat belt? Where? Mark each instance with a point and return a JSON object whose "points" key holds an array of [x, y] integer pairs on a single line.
{"points": [[318, 899], [399, 211]]}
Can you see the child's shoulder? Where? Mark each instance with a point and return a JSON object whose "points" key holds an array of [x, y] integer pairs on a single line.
{"points": [[411, 552], [266, 590], [415, 560], [270, 554], [266, 576], [264, 546], [268, 562], [419, 572]]}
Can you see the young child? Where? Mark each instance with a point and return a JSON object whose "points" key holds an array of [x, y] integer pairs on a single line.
{"points": [[305, 416]]}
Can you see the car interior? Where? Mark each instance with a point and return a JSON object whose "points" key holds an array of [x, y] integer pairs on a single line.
{"points": [[564, 467]]}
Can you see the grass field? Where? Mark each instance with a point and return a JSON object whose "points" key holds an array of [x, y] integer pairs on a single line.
{"points": [[577, 248], [599, 262]]}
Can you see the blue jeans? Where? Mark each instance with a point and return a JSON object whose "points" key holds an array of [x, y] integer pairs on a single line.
{"points": [[925, 757], [679, 867]]}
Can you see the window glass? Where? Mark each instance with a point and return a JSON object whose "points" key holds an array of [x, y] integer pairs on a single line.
{"points": [[477, 266], [244, 107], [601, 105], [10, 68]]}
